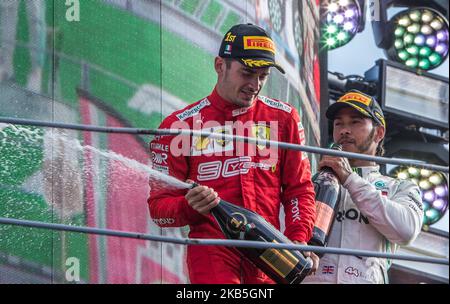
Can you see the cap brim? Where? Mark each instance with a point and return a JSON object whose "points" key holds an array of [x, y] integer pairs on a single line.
{"points": [[260, 63], [335, 107], [279, 68]]}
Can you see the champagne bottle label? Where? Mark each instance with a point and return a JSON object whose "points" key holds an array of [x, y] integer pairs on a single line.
{"points": [[327, 179], [281, 265], [324, 216], [282, 261], [235, 224]]}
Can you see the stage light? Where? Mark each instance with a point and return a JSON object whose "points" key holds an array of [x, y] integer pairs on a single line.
{"points": [[423, 34], [434, 188], [419, 99], [344, 18]]}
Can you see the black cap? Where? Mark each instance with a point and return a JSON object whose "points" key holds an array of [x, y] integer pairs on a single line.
{"points": [[251, 45], [365, 104]]}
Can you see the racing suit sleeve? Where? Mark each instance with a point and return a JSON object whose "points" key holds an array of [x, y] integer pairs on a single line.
{"points": [[297, 188], [399, 218], [169, 208]]}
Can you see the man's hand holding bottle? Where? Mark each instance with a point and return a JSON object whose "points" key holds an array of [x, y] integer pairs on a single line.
{"points": [[340, 166], [202, 198], [315, 259]]}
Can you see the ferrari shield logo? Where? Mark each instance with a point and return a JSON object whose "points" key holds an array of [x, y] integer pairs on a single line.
{"points": [[261, 131], [223, 142], [202, 145]]}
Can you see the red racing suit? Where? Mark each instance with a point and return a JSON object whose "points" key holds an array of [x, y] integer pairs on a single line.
{"points": [[259, 182]]}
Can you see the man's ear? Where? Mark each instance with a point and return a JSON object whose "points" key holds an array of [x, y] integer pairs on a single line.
{"points": [[380, 133], [219, 64]]}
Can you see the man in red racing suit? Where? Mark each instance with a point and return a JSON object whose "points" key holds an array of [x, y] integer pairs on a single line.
{"points": [[256, 177]]}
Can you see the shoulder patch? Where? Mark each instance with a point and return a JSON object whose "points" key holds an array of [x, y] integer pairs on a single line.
{"points": [[276, 104], [194, 110]]}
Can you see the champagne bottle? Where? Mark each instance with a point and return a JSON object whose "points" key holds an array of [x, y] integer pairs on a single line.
{"points": [[281, 265], [326, 187]]}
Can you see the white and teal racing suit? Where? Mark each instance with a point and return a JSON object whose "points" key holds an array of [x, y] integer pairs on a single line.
{"points": [[376, 213]]}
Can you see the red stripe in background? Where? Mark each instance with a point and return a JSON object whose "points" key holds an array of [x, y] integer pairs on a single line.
{"points": [[89, 193], [127, 211]]}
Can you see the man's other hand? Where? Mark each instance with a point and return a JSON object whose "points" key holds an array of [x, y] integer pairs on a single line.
{"points": [[202, 198]]}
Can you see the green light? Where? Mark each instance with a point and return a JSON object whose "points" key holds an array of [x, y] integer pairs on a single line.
{"points": [[435, 58], [415, 15], [331, 42], [412, 63], [413, 50], [403, 55], [424, 64], [408, 39], [415, 28], [342, 36], [399, 31], [425, 51], [399, 44], [331, 29], [432, 214]]}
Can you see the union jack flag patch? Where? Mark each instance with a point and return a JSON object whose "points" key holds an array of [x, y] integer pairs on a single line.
{"points": [[327, 269]]}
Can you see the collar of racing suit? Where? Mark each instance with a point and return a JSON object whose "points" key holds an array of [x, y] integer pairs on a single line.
{"points": [[222, 104], [366, 171]]}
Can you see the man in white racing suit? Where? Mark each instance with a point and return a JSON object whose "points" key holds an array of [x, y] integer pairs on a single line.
{"points": [[376, 212]]}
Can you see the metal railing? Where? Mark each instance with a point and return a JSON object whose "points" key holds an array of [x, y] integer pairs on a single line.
{"points": [[256, 141], [229, 243], [218, 242]]}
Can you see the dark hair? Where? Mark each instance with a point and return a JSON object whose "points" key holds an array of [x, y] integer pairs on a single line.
{"points": [[380, 148], [228, 62]]}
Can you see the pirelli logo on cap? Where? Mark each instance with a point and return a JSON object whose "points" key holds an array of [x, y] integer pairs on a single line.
{"points": [[356, 97], [259, 43]]}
